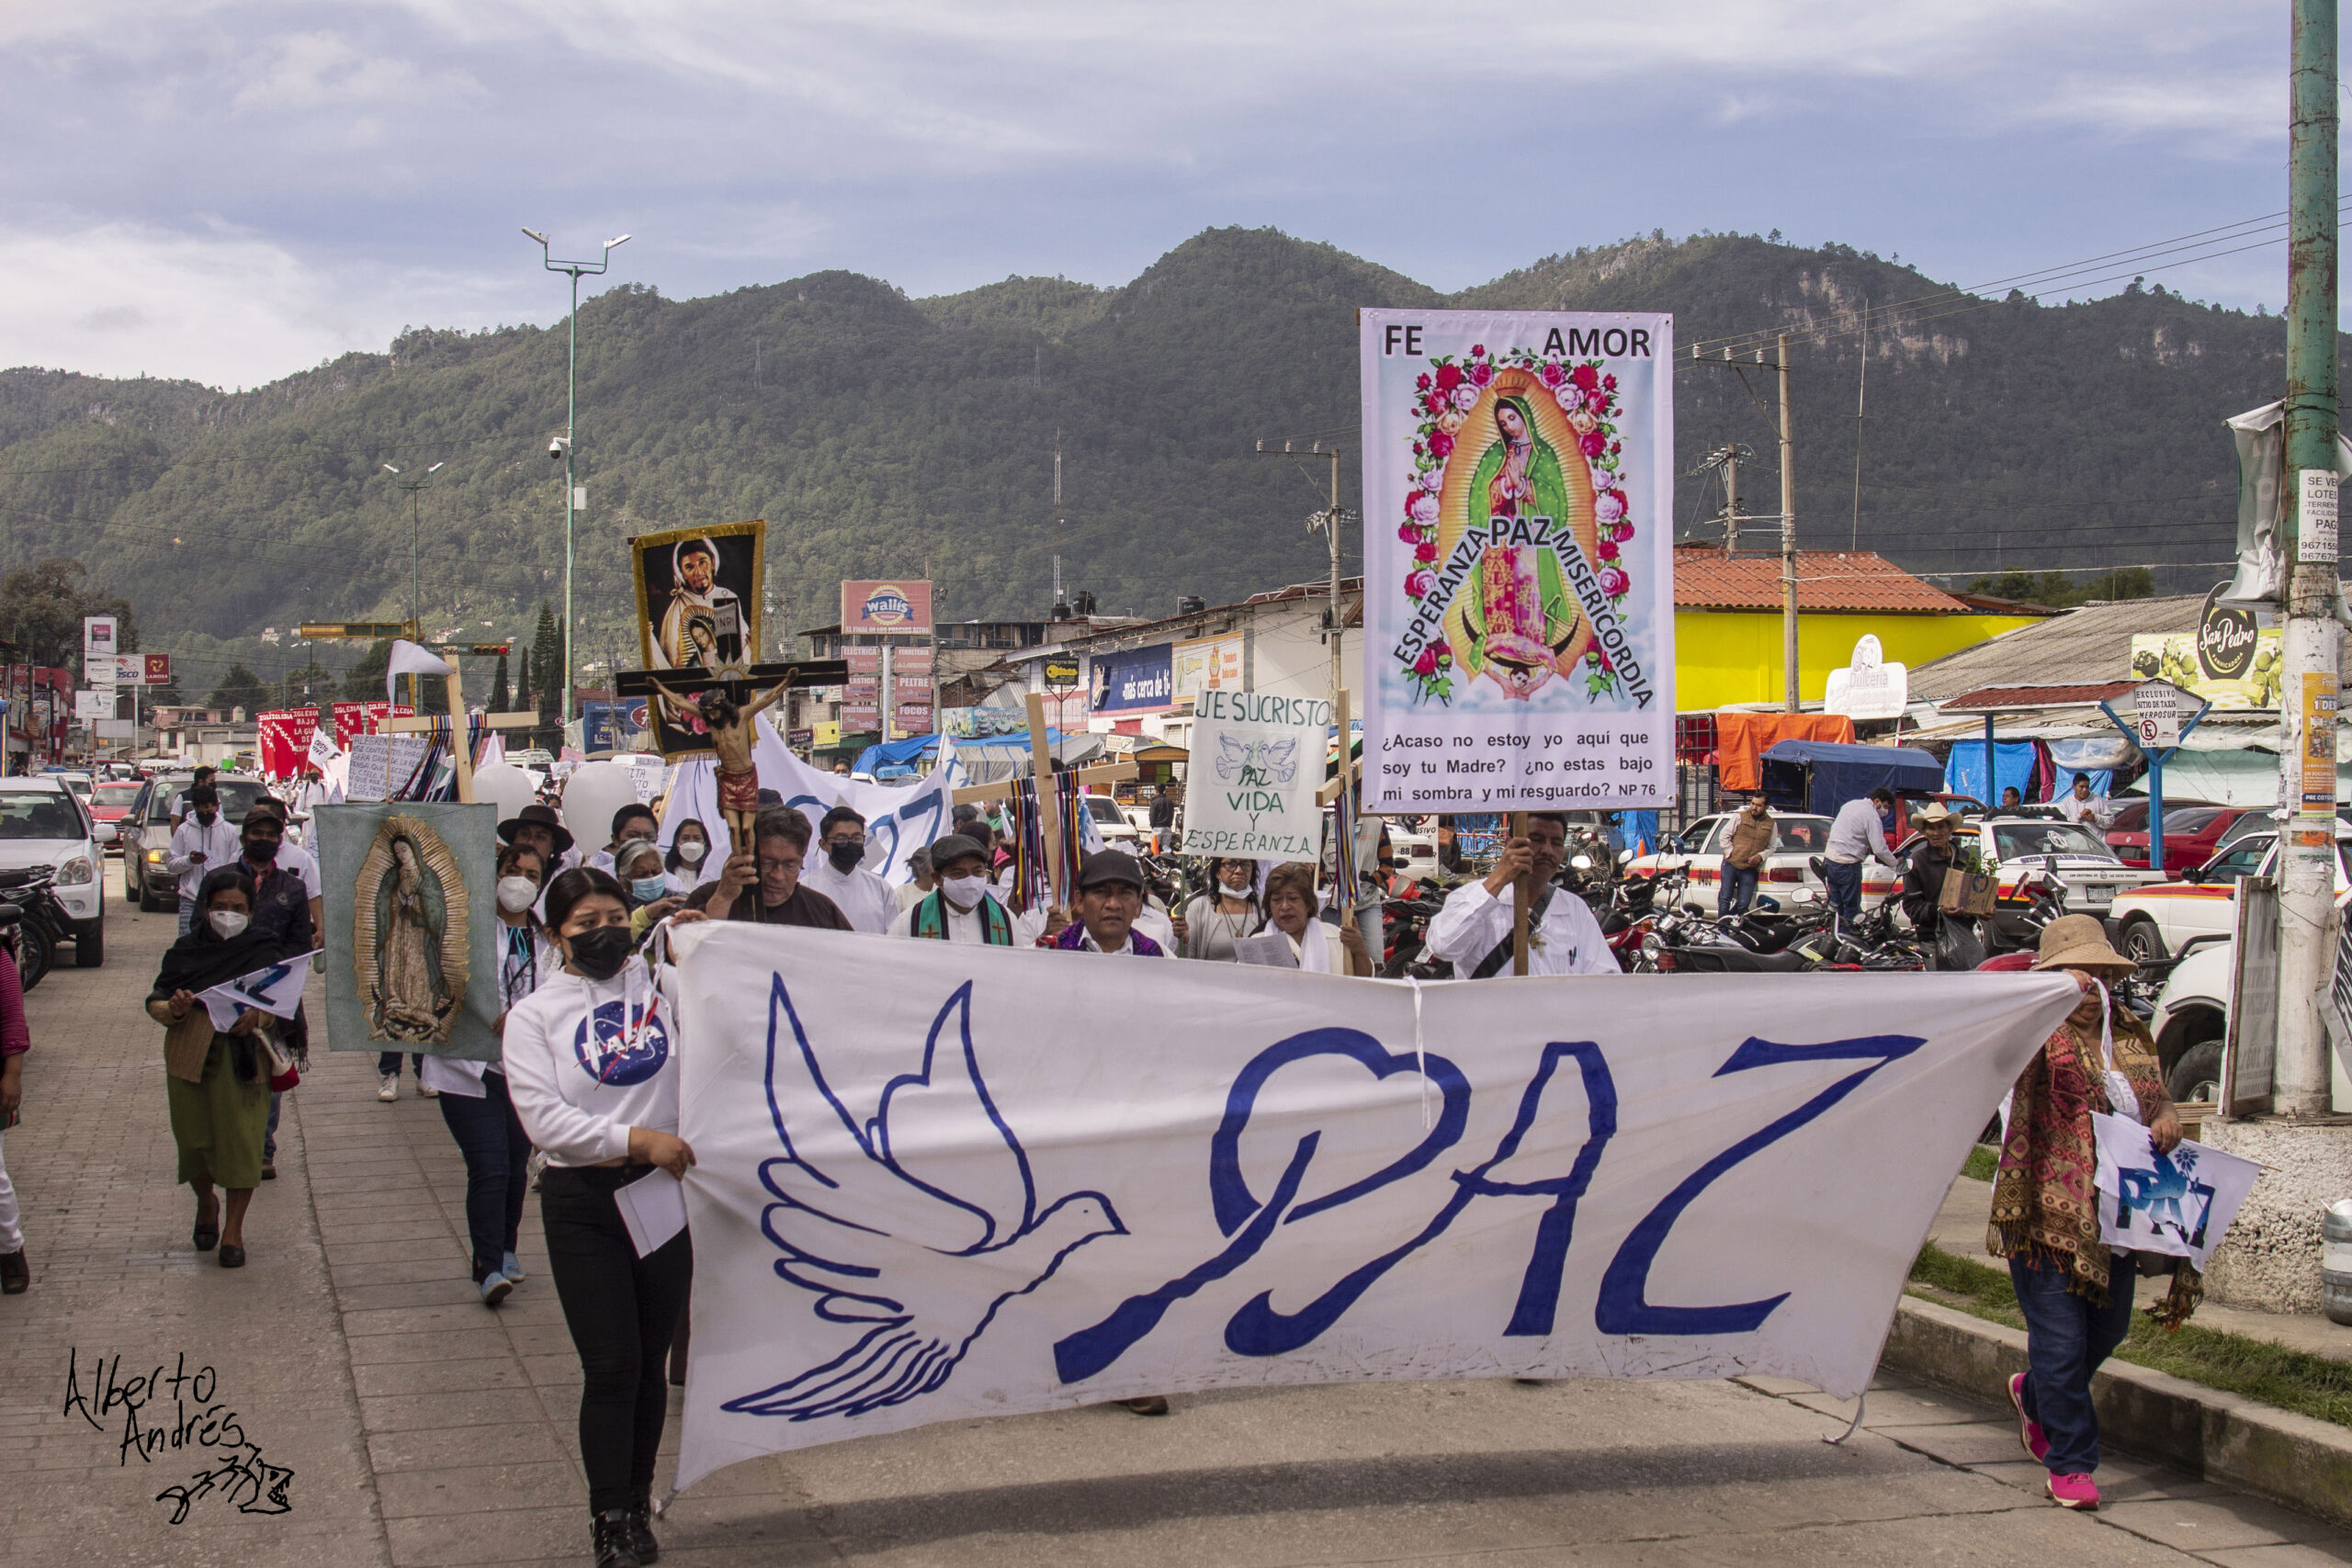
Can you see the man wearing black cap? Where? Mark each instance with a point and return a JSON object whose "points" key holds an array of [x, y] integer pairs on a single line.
{"points": [[1108, 901], [960, 907]]}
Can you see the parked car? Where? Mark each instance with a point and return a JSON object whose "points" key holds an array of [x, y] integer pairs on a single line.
{"points": [[2191, 832], [147, 833], [42, 823], [2192, 1019], [2013, 845], [2163, 918], [109, 805], [1699, 849], [1111, 821]]}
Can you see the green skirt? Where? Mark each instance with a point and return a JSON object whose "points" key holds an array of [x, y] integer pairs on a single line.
{"points": [[219, 1123]]}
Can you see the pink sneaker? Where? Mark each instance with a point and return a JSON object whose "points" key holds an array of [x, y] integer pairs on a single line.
{"points": [[2078, 1491], [2029, 1429]]}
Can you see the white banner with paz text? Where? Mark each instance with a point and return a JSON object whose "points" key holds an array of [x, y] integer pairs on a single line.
{"points": [[1260, 760], [1519, 560], [929, 1186]]}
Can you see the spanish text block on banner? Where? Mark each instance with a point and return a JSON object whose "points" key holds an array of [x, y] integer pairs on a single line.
{"points": [[937, 1182], [1519, 560]]}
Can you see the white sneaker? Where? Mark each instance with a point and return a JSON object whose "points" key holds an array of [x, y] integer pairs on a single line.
{"points": [[425, 1094], [389, 1090]]}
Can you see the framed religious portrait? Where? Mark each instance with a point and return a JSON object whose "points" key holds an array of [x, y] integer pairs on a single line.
{"points": [[698, 609]]}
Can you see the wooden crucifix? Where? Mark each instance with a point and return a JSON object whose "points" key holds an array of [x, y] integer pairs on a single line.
{"points": [[726, 706], [461, 752], [1041, 770]]}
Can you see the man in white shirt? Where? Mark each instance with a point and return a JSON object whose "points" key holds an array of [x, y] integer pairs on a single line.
{"points": [[2081, 804], [1473, 933], [959, 907], [870, 903], [1855, 836], [203, 842]]}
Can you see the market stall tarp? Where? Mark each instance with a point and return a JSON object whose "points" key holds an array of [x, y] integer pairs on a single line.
{"points": [[1742, 738], [1821, 777], [2013, 765]]}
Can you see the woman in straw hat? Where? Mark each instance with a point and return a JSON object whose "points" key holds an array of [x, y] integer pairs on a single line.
{"points": [[2075, 1292]]}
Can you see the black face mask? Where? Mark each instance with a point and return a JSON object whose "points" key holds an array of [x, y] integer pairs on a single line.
{"points": [[261, 852], [600, 953], [845, 857]]}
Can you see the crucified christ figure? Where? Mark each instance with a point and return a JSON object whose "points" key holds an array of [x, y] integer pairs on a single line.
{"points": [[729, 725]]}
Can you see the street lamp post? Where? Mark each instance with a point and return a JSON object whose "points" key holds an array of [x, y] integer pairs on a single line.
{"points": [[415, 488], [561, 447]]}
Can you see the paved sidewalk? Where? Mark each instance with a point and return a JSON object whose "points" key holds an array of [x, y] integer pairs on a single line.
{"points": [[424, 1429]]}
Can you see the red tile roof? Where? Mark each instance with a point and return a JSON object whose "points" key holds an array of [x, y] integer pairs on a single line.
{"points": [[1992, 699], [1844, 580]]}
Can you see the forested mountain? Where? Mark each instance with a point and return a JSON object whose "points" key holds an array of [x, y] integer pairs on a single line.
{"points": [[880, 435]]}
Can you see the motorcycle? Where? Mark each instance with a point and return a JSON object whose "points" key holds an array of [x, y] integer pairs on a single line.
{"points": [[41, 921]]}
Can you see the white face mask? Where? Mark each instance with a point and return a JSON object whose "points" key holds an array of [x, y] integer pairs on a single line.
{"points": [[516, 894], [691, 852], [964, 892], [228, 924]]}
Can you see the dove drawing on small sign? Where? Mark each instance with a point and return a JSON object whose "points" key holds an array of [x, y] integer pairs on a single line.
{"points": [[916, 1227]]}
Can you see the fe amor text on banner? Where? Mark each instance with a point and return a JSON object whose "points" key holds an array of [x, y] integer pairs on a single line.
{"points": [[1519, 560]]}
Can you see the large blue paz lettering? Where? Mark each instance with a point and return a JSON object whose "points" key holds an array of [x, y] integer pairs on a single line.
{"points": [[1259, 1329]]}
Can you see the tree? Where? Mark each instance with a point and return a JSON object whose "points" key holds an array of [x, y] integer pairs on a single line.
{"points": [[546, 646], [497, 687], [523, 680], [2059, 591], [364, 682], [41, 609], [240, 688]]}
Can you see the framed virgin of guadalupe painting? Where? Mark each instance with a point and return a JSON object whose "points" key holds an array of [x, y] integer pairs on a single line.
{"points": [[410, 918]]}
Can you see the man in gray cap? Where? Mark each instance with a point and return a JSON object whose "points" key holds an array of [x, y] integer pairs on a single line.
{"points": [[1108, 901], [960, 907]]}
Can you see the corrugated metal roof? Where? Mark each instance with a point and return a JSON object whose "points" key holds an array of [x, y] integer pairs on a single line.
{"points": [[1844, 580], [1998, 697], [2083, 644]]}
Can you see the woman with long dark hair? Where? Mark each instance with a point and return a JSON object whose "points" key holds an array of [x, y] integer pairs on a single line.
{"points": [[594, 1078], [689, 854], [1227, 911]]}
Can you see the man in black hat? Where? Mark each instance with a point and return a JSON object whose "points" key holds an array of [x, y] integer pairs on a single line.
{"points": [[538, 826], [1108, 901], [959, 908]]}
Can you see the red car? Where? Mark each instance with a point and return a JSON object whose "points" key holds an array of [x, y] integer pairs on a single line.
{"points": [[110, 801], [2191, 831]]}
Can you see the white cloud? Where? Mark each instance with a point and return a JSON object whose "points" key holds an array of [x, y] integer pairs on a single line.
{"points": [[219, 307], [318, 70]]}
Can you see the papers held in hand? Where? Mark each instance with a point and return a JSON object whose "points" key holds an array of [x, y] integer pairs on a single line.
{"points": [[653, 1207], [1271, 949]]}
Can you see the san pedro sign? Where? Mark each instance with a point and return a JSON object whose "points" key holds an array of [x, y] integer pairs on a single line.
{"points": [[1257, 762]]}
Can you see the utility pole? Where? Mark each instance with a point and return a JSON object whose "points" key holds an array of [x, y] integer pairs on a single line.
{"points": [[1731, 501], [2308, 693], [561, 446], [1861, 393], [1061, 604], [415, 488], [1788, 536], [1329, 521]]}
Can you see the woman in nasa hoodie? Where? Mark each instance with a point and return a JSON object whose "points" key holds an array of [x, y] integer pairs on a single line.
{"points": [[591, 1065]]}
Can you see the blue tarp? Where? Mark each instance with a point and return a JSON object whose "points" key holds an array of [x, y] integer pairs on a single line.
{"points": [[2012, 768], [906, 754], [1822, 775]]}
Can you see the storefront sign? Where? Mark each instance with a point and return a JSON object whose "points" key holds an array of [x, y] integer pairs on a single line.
{"points": [[2231, 660], [1139, 680], [903, 605], [1208, 664]]}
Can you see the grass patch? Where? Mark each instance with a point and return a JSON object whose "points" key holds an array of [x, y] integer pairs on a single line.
{"points": [[2292, 1380], [1983, 1160]]}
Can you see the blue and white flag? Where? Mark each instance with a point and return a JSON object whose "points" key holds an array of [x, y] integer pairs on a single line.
{"points": [[276, 990], [2180, 1203], [931, 1185], [900, 818]]}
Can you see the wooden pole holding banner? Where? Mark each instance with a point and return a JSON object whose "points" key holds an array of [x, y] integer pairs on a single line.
{"points": [[1522, 895], [1041, 768]]}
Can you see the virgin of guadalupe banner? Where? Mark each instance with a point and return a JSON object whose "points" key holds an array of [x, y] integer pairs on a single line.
{"points": [[1519, 560], [928, 1188], [698, 608], [412, 915], [1257, 761]]}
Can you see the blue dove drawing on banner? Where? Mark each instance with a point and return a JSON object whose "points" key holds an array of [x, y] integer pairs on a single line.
{"points": [[845, 1226]]}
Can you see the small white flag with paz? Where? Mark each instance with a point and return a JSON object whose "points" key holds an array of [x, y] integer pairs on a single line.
{"points": [[2180, 1203], [276, 990]]}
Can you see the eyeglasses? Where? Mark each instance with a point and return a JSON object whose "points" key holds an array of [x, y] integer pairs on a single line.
{"points": [[779, 867]]}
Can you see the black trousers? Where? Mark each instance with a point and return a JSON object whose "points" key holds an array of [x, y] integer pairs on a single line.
{"points": [[498, 1155], [621, 1309]]}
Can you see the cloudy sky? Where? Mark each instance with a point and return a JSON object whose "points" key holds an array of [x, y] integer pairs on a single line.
{"points": [[232, 189]]}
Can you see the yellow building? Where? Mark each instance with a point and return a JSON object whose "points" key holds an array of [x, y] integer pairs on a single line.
{"points": [[1727, 636]]}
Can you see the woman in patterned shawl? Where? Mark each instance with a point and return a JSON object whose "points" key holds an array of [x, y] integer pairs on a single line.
{"points": [[2076, 1292]]}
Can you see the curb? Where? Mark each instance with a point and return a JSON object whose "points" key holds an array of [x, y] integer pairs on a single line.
{"points": [[2295, 1460]]}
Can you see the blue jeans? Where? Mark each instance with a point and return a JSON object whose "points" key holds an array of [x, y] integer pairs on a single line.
{"points": [[2067, 1337], [1845, 885], [387, 1063], [1739, 888], [496, 1149], [188, 915]]}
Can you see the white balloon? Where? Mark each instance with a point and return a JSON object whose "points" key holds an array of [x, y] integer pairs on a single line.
{"points": [[506, 786], [590, 796]]}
